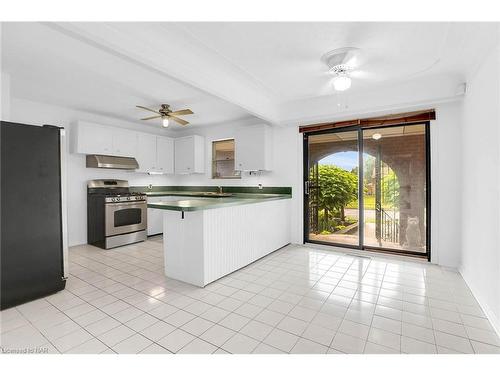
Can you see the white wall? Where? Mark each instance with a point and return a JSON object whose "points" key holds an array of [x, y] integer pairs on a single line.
{"points": [[480, 181], [29, 112], [5, 96], [446, 175]]}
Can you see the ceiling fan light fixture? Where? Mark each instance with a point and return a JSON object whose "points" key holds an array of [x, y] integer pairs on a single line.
{"points": [[166, 114], [341, 83]]}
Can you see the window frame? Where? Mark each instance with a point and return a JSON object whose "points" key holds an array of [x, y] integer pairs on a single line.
{"points": [[237, 175]]}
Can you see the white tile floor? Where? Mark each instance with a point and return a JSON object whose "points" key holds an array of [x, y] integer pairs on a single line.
{"points": [[296, 300]]}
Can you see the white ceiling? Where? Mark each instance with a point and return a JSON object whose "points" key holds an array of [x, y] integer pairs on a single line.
{"points": [[48, 66], [231, 71], [285, 57]]}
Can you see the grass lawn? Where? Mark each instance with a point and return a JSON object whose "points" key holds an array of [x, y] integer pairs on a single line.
{"points": [[369, 202]]}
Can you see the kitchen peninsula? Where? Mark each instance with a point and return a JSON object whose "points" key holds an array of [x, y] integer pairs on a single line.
{"points": [[206, 238]]}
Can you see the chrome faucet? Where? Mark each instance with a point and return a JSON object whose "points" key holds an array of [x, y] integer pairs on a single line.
{"points": [[220, 189]]}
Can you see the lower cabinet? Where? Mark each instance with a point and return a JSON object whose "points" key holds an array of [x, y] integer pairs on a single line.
{"points": [[155, 215], [155, 218]]}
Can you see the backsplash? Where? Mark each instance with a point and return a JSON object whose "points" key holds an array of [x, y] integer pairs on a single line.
{"points": [[226, 189]]}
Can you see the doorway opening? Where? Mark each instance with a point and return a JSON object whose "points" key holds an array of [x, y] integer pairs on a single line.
{"points": [[368, 188]]}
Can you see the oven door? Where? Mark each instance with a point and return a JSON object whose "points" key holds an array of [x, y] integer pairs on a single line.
{"points": [[125, 217]]}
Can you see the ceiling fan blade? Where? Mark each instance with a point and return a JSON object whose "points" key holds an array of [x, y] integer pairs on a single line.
{"points": [[365, 75], [326, 88], [150, 118], [182, 112], [179, 120], [147, 109]]}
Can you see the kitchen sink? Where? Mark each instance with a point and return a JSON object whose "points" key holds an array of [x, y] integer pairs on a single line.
{"points": [[215, 194]]}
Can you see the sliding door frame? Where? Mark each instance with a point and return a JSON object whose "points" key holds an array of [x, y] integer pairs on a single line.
{"points": [[306, 186], [359, 129]]}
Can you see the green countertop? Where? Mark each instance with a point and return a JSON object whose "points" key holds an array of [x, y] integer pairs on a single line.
{"points": [[199, 201], [204, 194]]}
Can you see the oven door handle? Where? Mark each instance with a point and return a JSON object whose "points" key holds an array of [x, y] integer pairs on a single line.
{"points": [[122, 204]]}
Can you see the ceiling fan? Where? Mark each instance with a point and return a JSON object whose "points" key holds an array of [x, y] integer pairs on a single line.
{"points": [[341, 63], [166, 114], [348, 63]]}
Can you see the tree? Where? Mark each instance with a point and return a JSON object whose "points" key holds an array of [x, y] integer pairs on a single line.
{"points": [[338, 188], [390, 189]]}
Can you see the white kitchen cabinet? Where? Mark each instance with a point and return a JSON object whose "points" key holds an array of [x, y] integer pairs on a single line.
{"points": [[165, 154], [124, 143], [96, 139], [92, 138], [155, 154], [146, 152], [155, 215], [189, 154], [253, 148]]}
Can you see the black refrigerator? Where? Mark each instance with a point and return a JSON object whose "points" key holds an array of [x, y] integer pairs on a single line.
{"points": [[33, 212]]}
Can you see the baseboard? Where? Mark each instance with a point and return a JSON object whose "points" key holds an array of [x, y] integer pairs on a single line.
{"points": [[494, 320]]}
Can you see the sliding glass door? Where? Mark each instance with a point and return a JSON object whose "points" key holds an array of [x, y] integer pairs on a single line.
{"points": [[333, 188], [368, 188]]}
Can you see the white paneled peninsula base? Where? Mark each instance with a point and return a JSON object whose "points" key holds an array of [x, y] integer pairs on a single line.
{"points": [[204, 245]]}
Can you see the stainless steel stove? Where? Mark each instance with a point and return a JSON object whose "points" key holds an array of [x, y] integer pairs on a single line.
{"points": [[115, 215]]}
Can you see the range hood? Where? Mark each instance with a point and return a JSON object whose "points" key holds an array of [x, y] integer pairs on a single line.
{"points": [[111, 162]]}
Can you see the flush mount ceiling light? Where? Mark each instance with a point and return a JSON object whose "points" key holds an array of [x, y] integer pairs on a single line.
{"points": [[377, 136]]}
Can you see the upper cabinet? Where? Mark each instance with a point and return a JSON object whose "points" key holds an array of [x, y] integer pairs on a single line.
{"points": [[253, 148], [92, 139], [96, 139], [146, 152], [189, 154], [155, 154], [124, 143], [165, 154]]}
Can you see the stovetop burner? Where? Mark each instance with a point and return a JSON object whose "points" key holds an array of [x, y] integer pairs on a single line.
{"points": [[119, 193], [114, 191], [127, 198]]}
